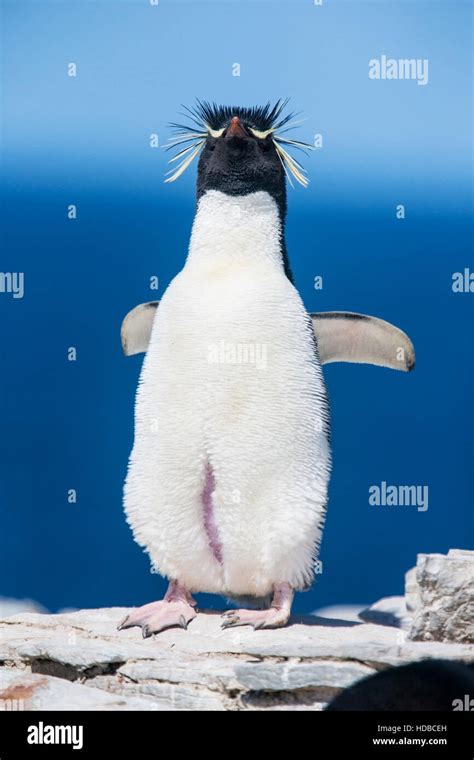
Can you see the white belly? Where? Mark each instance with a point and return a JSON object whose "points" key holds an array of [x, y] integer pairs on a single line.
{"points": [[231, 381]]}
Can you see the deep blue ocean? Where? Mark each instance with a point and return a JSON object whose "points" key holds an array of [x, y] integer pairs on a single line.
{"points": [[85, 140]]}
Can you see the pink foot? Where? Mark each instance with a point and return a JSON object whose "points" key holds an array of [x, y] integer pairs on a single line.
{"points": [[176, 609], [276, 616]]}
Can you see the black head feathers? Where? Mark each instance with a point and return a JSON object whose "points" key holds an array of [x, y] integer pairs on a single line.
{"points": [[261, 123], [261, 118]]}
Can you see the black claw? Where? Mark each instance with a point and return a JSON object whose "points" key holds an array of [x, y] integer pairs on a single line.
{"points": [[121, 625], [183, 623], [146, 633]]}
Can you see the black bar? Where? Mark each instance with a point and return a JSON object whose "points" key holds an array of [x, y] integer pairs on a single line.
{"points": [[133, 733]]}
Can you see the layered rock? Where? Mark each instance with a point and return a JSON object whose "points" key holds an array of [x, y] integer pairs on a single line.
{"points": [[439, 596], [80, 661]]}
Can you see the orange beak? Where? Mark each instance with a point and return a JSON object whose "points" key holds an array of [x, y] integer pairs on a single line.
{"points": [[236, 128]]}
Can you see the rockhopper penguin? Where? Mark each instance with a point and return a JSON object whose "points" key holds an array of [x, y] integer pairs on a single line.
{"points": [[227, 482]]}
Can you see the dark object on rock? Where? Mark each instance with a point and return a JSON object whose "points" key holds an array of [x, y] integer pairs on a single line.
{"points": [[425, 685]]}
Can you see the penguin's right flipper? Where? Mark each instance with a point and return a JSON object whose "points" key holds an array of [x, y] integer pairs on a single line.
{"points": [[344, 336], [136, 328]]}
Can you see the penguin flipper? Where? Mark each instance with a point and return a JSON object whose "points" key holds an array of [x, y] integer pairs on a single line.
{"points": [[344, 336], [136, 328]]}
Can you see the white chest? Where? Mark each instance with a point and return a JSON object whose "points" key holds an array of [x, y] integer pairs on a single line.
{"points": [[233, 286]]}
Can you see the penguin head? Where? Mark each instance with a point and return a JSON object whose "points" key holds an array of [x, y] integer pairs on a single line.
{"points": [[241, 150], [238, 159]]}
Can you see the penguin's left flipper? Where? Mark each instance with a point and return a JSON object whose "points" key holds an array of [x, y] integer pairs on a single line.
{"points": [[136, 328], [343, 336]]}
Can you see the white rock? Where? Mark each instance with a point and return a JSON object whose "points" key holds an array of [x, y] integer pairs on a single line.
{"points": [[283, 676], [214, 673], [440, 594], [23, 690]]}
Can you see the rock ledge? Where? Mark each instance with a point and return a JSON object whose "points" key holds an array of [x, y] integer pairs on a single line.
{"points": [[79, 661]]}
